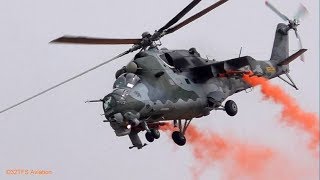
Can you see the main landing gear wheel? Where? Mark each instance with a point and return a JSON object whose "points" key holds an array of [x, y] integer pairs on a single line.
{"points": [[149, 137], [155, 133], [231, 108], [179, 138]]}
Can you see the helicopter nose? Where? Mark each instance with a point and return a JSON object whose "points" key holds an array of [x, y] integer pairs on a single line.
{"points": [[120, 112], [113, 103], [120, 101]]}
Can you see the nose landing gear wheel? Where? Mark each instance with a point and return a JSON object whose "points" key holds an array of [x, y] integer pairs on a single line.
{"points": [[178, 138], [155, 133], [149, 137], [231, 108]]}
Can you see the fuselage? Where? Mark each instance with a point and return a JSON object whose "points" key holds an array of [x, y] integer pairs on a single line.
{"points": [[160, 91]]}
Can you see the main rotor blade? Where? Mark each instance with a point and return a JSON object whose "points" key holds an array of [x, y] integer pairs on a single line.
{"points": [[196, 16], [301, 13], [91, 40], [285, 18], [64, 82], [180, 15]]}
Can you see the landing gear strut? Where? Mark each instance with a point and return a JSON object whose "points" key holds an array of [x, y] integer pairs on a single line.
{"points": [[151, 134], [178, 136]]}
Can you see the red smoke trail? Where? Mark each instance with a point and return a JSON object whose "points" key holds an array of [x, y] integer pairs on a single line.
{"points": [[239, 160], [244, 159], [209, 148], [291, 113]]}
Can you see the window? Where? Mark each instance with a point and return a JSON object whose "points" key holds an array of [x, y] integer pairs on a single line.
{"points": [[167, 58], [120, 82], [108, 102], [128, 80]]}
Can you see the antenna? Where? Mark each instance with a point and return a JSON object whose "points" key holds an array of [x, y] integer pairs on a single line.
{"points": [[240, 51]]}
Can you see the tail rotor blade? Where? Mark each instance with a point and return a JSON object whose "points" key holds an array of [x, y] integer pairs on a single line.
{"points": [[282, 16], [301, 13], [300, 44]]}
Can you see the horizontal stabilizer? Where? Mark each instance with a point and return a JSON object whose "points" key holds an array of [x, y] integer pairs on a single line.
{"points": [[292, 57]]}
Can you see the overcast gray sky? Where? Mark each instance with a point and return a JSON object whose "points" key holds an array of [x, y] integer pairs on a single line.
{"points": [[59, 132]]}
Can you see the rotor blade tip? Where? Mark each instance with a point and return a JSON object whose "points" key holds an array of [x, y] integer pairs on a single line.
{"points": [[56, 40]]}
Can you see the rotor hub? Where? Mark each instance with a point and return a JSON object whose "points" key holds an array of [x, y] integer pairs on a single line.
{"points": [[146, 35]]}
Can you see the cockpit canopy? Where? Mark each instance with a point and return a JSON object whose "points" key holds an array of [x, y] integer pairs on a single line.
{"points": [[126, 80], [108, 102], [118, 96]]}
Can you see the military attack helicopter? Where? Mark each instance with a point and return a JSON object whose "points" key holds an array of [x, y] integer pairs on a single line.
{"points": [[160, 85]]}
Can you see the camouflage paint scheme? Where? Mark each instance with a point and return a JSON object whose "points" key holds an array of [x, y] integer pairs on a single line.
{"points": [[179, 84]]}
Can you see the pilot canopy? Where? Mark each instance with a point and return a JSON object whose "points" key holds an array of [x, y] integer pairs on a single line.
{"points": [[126, 80]]}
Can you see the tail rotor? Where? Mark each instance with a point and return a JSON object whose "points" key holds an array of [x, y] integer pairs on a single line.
{"points": [[292, 23]]}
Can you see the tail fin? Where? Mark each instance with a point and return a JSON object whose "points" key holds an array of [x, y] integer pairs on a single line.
{"points": [[285, 67], [280, 50]]}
